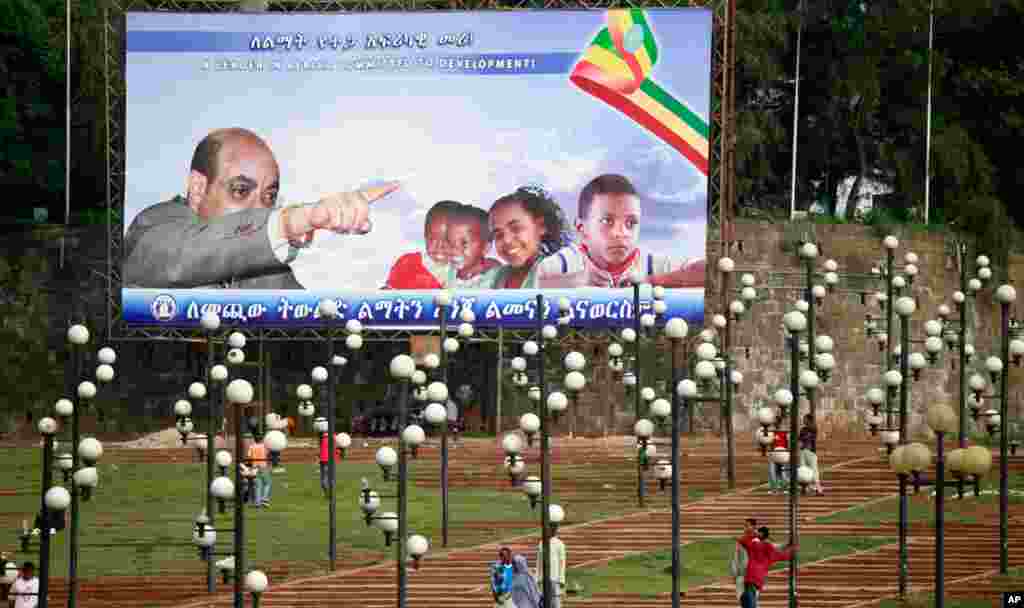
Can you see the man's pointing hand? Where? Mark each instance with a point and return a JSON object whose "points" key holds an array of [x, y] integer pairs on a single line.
{"points": [[344, 213]]}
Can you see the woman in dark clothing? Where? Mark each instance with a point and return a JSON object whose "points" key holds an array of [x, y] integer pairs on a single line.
{"points": [[525, 593]]}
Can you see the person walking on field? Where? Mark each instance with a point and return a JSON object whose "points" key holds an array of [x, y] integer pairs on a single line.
{"points": [[778, 479], [24, 592], [761, 554], [257, 456], [738, 564], [808, 439], [556, 565], [525, 593], [501, 579]]}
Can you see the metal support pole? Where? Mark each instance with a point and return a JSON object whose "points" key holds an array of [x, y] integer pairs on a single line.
{"points": [[211, 431], [499, 375], [332, 470], [730, 439], [403, 471], [44, 533], [75, 510], [1004, 444], [545, 461], [889, 255], [444, 431], [962, 335], [794, 416], [67, 126], [903, 536], [239, 512], [675, 475], [904, 385], [636, 393], [811, 335], [928, 117], [940, 514], [796, 116]]}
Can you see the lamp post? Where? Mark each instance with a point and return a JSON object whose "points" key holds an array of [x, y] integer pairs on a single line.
{"points": [[210, 322], [544, 404], [83, 451], [911, 460], [443, 300], [633, 335], [50, 503], [329, 311], [813, 297], [796, 323], [955, 332], [240, 393], [402, 368], [675, 330], [1005, 295], [732, 311], [896, 381]]}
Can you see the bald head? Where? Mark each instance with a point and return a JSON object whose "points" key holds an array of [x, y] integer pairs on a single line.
{"points": [[232, 170]]}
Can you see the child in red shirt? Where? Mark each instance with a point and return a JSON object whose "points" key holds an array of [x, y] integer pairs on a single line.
{"points": [[778, 473], [426, 269]]}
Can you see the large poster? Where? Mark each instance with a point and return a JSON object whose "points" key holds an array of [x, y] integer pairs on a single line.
{"points": [[273, 160]]}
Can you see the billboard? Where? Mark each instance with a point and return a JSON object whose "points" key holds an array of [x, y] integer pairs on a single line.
{"points": [[273, 160]]}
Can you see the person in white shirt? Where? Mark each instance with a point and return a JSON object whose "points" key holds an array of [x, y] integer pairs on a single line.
{"points": [[25, 590], [556, 569], [608, 253]]}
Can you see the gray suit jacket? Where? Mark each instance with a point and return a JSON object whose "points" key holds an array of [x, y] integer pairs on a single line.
{"points": [[168, 245]]}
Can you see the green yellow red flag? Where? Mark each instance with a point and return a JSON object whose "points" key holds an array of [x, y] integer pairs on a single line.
{"points": [[616, 69]]}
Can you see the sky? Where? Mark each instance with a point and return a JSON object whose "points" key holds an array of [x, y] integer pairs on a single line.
{"points": [[466, 137]]}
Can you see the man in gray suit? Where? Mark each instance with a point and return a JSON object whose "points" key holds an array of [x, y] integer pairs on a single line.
{"points": [[226, 231]]}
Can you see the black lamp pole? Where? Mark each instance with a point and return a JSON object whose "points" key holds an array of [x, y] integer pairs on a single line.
{"points": [[730, 438], [211, 430], [640, 490], [811, 336], [79, 360], [794, 415], [961, 343], [403, 523], [444, 428], [332, 407], [44, 533], [1004, 443], [239, 532], [545, 461], [940, 514], [676, 406]]}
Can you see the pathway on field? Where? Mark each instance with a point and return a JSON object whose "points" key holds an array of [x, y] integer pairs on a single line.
{"points": [[606, 473]]}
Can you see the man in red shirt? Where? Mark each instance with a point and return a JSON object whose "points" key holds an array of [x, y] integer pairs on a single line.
{"points": [[761, 554]]}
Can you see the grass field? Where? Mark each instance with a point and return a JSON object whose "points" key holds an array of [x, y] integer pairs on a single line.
{"points": [[921, 506], [140, 518], [703, 562]]}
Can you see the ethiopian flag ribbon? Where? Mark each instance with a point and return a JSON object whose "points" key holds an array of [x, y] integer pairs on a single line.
{"points": [[616, 69]]}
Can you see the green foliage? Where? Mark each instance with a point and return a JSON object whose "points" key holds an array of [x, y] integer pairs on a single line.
{"points": [[863, 90], [29, 378]]}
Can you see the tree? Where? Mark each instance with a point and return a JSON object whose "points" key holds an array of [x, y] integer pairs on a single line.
{"points": [[30, 377], [32, 132]]}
